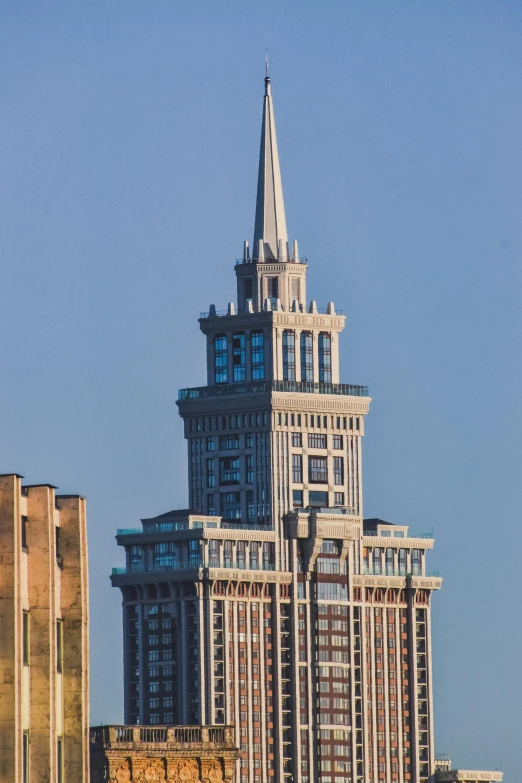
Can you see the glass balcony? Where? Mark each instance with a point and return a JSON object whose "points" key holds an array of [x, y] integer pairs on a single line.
{"points": [[250, 387]]}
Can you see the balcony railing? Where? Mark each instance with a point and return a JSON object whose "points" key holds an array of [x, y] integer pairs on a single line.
{"points": [[173, 527], [188, 565], [170, 736], [257, 387]]}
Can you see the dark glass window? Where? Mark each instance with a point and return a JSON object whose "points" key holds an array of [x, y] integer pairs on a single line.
{"points": [[402, 562], [165, 554], [239, 357], [59, 646], [26, 639], [25, 759], [211, 505], [288, 355], [273, 287], [211, 474], [59, 760], [318, 470], [250, 468], [229, 470], [251, 506], [307, 357], [337, 441], [297, 439], [297, 498], [228, 442], [220, 359], [339, 499], [248, 288], [258, 356], [338, 465], [297, 468], [210, 444], [316, 441], [325, 358], [231, 505], [24, 534], [318, 499]]}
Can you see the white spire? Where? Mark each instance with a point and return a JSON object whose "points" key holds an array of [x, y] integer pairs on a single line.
{"points": [[270, 224]]}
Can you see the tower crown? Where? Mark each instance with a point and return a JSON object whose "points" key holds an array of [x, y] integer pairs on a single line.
{"points": [[270, 234]]}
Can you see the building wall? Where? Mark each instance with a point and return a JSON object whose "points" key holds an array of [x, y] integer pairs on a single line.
{"points": [[43, 627], [324, 668]]}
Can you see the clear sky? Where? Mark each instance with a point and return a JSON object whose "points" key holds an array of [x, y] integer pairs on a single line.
{"points": [[129, 135]]}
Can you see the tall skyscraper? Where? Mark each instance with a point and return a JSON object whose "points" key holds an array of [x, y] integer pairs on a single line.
{"points": [[271, 604]]}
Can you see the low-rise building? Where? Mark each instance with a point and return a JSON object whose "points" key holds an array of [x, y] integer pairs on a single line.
{"points": [[444, 773], [44, 688], [187, 754]]}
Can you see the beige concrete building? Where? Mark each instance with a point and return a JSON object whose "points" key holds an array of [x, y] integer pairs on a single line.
{"points": [[445, 774], [44, 713], [147, 754]]}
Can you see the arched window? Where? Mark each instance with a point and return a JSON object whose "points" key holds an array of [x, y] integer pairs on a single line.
{"points": [[288, 355], [325, 358], [307, 362], [220, 359]]}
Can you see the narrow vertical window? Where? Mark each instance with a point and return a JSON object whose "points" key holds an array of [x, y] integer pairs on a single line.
{"points": [[325, 358], [307, 364], [258, 356], [239, 357], [59, 646], [251, 506], [25, 640], [24, 534], [297, 468], [59, 760], [338, 470], [211, 473], [25, 757], [288, 355], [220, 359]]}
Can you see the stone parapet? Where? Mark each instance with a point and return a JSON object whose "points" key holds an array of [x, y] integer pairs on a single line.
{"points": [[151, 754]]}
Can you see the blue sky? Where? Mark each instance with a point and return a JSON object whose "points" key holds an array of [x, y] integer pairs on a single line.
{"points": [[129, 137]]}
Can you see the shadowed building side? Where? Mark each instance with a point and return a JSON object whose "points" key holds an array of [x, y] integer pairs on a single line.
{"points": [[44, 706]]}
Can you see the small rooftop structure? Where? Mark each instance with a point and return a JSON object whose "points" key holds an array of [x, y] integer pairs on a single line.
{"points": [[444, 773]]}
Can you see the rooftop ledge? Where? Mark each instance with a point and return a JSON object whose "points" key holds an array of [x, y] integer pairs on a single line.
{"points": [[253, 387]]}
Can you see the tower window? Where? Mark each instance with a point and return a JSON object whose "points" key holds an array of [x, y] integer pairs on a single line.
{"points": [[258, 356], [338, 470], [251, 506], [231, 505], [230, 470], [307, 364], [316, 441], [297, 498], [273, 287], [318, 470], [325, 358], [248, 288], [297, 468], [288, 355], [211, 476], [239, 358], [220, 358]]}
